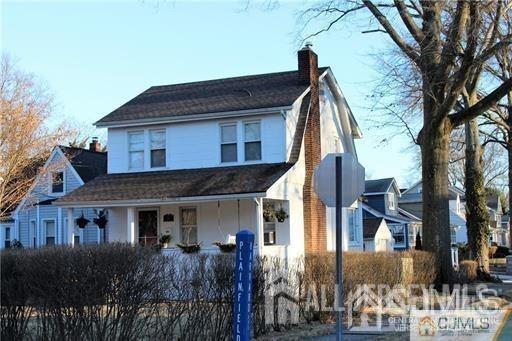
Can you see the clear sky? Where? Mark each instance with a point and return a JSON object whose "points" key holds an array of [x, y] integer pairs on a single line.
{"points": [[95, 56]]}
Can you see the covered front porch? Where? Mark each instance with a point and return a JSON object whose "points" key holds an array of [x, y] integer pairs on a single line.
{"points": [[201, 221]]}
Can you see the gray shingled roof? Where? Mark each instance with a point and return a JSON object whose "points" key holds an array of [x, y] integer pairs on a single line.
{"points": [[168, 185], [219, 95], [370, 227], [377, 185], [87, 163]]}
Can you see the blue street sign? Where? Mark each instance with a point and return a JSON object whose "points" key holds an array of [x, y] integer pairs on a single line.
{"points": [[243, 286]]}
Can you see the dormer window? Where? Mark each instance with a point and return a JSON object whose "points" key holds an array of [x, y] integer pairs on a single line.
{"points": [[391, 201], [157, 140], [136, 149], [252, 139], [228, 146], [58, 182]]}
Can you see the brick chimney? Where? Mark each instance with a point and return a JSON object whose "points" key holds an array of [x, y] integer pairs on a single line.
{"points": [[315, 230], [95, 145]]}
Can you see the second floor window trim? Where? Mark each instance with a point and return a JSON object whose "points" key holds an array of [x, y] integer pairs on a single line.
{"points": [[157, 143], [57, 182], [391, 201], [252, 141], [228, 143], [136, 149]]}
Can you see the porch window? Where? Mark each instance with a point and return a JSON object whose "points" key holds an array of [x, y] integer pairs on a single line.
{"points": [[33, 233], [76, 240], [157, 139], [49, 227], [453, 235], [136, 149], [228, 141], [7, 237], [352, 233], [269, 228], [189, 225], [252, 137], [58, 182]]}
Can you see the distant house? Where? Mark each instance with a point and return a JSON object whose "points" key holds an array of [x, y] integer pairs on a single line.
{"points": [[381, 202], [200, 161], [36, 222], [499, 233], [411, 201]]}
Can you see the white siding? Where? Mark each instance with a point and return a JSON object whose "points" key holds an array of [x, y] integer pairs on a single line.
{"points": [[197, 144]]}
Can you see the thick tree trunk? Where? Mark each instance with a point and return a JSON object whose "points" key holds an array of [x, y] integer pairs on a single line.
{"points": [[509, 152], [477, 216], [434, 143]]}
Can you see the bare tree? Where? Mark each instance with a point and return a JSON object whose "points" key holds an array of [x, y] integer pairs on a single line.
{"points": [[25, 139], [441, 39]]}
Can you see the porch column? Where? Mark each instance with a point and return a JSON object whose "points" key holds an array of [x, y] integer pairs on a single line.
{"points": [[130, 225], [259, 225], [59, 233], [70, 233]]}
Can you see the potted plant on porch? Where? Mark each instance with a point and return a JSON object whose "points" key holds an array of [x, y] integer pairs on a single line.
{"points": [[165, 239], [189, 247], [281, 215], [82, 221], [225, 247], [101, 219]]}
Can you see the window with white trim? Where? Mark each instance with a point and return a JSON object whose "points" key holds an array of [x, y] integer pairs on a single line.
{"points": [[228, 143], [391, 201], [352, 225], [57, 182], [136, 150], [252, 141], [157, 148], [7, 238], [49, 228], [33, 233]]}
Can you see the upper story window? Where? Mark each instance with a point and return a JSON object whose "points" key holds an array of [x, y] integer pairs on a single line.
{"points": [[136, 150], [391, 201], [228, 144], [157, 145], [58, 182], [252, 141]]}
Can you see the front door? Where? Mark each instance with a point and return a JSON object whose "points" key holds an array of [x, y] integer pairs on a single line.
{"points": [[148, 227]]}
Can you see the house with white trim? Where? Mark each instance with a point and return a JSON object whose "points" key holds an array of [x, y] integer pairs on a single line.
{"points": [[36, 222], [200, 161], [381, 202]]}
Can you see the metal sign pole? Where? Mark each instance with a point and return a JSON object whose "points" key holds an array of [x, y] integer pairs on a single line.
{"points": [[339, 253]]}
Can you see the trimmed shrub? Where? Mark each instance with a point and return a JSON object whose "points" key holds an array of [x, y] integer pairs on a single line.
{"points": [[119, 292], [468, 271]]}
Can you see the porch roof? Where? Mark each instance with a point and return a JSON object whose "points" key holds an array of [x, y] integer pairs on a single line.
{"points": [[175, 184]]}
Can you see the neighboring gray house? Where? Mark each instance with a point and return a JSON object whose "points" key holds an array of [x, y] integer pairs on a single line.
{"points": [[411, 201], [36, 222], [381, 202]]}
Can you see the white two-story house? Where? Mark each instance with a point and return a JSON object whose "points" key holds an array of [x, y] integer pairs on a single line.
{"points": [[200, 161]]}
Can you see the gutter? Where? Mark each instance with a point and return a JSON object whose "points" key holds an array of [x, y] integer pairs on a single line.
{"points": [[153, 202]]}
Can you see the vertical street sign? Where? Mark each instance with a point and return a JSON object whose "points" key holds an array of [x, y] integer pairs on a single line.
{"points": [[243, 286], [338, 181]]}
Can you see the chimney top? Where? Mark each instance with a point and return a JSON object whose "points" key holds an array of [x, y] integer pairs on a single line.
{"points": [[95, 145], [308, 65], [308, 45]]}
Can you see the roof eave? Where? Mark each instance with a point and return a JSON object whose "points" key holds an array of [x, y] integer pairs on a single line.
{"points": [[150, 202], [191, 117]]}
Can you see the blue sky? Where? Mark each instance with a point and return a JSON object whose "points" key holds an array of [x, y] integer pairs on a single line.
{"points": [[95, 56]]}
